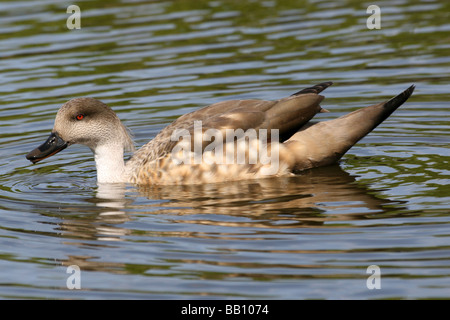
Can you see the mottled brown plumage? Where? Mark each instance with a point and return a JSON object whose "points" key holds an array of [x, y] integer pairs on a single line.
{"points": [[296, 144]]}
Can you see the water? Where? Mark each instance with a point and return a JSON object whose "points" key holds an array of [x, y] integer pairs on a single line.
{"points": [[310, 236]]}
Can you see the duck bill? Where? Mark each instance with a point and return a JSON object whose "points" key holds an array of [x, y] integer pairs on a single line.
{"points": [[53, 145]]}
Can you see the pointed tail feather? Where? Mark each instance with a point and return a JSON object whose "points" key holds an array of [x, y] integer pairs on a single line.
{"points": [[392, 105]]}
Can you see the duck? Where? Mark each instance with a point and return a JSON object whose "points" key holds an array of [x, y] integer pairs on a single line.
{"points": [[225, 141]]}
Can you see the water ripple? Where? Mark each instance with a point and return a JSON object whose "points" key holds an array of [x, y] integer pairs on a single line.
{"points": [[310, 236]]}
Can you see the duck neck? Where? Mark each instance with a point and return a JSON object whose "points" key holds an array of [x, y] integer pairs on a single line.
{"points": [[110, 164]]}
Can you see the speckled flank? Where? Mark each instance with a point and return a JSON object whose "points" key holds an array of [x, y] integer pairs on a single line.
{"points": [[215, 167]]}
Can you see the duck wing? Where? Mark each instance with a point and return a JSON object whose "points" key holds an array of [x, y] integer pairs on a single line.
{"points": [[287, 115]]}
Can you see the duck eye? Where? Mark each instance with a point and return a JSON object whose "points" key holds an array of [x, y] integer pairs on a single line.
{"points": [[80, 116]]}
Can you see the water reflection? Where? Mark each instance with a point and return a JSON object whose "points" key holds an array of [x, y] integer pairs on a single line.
{"points": [[308, 200], [246, 211], [153, 61]]}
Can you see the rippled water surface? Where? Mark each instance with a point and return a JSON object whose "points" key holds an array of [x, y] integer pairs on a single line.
{"points": [[310, 236]]}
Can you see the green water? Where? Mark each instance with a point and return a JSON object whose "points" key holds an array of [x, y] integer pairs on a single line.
{"points": [[313, 236]]}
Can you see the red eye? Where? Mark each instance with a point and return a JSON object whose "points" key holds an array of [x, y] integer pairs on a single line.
{"points": [[80, 116]]}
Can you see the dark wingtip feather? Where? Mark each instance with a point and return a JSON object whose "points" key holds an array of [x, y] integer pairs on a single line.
{"points": [[315, 89]]}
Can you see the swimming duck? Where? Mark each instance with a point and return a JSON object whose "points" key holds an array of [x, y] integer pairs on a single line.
{"points": [[229, 140]]}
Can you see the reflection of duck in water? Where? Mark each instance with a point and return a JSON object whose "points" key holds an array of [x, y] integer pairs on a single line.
{"points": [[323, 197], [296, 145], [316, 196]]}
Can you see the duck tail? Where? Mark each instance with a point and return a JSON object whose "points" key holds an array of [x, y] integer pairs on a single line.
{"points": [[324, 143]]}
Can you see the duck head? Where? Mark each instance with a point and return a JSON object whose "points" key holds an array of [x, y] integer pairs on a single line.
{"points": [[85, 121]]}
